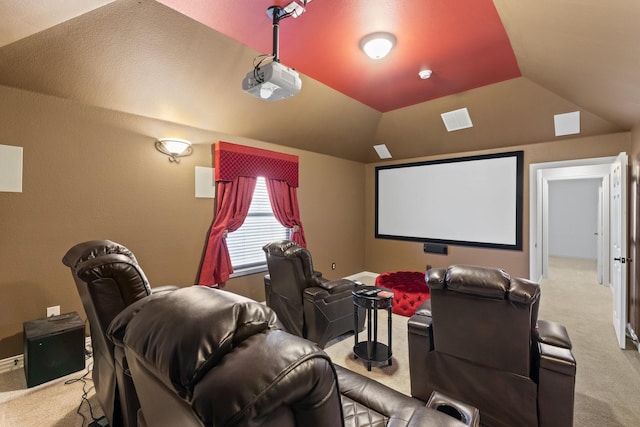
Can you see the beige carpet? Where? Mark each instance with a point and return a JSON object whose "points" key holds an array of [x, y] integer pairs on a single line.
{"points": [[607, 382], [54, 403], [395, 376], [608, 379]]}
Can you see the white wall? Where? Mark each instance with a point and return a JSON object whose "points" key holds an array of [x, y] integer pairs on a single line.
{"points": [[573, 218]]}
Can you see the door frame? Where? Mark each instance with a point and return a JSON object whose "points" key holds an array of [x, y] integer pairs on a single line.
{"points": [[539, 176]]}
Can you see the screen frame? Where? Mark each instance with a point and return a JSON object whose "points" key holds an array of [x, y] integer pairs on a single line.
{"points": [[519, 157]]}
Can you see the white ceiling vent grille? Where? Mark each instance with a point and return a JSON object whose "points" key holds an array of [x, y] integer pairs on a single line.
{"points": [[567, 123], [383, 151], [457, 119]]}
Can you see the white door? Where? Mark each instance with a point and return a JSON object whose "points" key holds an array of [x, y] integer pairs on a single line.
{"points": [[619, 245], [599, 234]]}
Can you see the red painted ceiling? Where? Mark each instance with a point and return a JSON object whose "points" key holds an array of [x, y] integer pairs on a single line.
{"points": [[463, 42]]}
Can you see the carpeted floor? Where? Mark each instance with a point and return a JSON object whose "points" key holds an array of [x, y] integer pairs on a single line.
{"points": [[608, 378], [395, 375], [607, 382], [52, 404]]}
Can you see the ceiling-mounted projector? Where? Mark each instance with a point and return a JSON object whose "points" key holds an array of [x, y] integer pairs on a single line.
{"points": [[272, 82]]}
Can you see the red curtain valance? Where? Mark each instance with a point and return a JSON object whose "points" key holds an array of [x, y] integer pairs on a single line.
{"points": [[232, 161]]}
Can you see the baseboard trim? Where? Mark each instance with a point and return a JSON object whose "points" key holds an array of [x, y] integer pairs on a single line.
{"points": [[11, 363], [17, 362]]}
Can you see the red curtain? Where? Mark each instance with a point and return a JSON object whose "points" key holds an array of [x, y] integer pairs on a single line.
{"points": [[234, 199], [237, 168], [284, 203]]}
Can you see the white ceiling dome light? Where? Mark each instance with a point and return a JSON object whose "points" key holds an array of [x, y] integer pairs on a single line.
{"points": [[377, 45]]}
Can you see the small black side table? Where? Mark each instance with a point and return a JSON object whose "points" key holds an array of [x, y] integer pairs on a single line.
{"points": [[372, 299]]}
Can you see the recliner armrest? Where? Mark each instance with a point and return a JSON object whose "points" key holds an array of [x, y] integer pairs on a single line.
{"points": [[553, 333], [420, 344], [420, 322], [557, 359], [420, 325], [329, 291], [424, 309], [556, 385], [337, 286]]}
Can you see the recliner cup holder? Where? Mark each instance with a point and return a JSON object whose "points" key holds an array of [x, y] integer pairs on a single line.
{"points": [[461, 411], [452, 411]]}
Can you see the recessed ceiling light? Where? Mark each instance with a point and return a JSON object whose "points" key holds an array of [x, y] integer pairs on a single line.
{"points": [[425, 74]]}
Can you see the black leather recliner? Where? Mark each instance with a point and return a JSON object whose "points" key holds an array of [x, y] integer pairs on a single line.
{"points": [[479, 340], [108, 279], [202, 356], [307, 304]]}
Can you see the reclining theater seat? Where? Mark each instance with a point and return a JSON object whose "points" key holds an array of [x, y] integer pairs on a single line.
{"points": [[307, 304], [202, 356], [108, 279], [479, 340]]}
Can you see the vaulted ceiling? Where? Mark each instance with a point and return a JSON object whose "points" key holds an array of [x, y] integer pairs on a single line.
{"points": [[463, 42], [180, 63]]}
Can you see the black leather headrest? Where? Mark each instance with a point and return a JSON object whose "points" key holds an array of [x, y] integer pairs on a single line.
{"points": [[292, 253], [124, 273], [482, 281], [485, 282], [92, 249], [182, 334], [280, 247]]}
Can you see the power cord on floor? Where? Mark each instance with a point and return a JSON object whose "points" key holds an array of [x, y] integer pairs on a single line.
{"points": [[85, 379]]}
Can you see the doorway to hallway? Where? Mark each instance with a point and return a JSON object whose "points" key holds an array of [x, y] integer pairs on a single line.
{"points": [[612, 256]]}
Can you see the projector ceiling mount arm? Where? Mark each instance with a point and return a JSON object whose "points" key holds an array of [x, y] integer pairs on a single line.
{"points": [[276, 13]]}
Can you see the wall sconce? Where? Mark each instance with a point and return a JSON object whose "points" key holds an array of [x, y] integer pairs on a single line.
{"points": [[174, 148], [378, 45]]}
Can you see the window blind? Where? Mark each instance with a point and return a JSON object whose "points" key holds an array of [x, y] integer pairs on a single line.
{"points": [[259, 228]]}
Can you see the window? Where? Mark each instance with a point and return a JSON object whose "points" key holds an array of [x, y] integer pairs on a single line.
{"points": [[259, 228]]}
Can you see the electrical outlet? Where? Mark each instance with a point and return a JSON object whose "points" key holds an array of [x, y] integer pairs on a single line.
{"points": [[333, 265], [53, 311]]}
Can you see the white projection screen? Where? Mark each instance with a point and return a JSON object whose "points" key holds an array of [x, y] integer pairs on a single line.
{"points": [[466, 201]]}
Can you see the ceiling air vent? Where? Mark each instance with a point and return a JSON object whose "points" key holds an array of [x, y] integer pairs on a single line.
{"points": [[383, 151], [567, 123], [457, 119]]}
